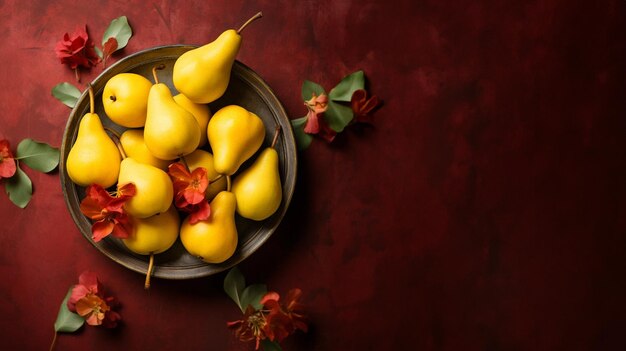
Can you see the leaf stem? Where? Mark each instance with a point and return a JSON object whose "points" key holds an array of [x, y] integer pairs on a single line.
{"points": [[54, 340], [276, 133], [154, 69], [149, 272], [243, 26], [77, 74]]}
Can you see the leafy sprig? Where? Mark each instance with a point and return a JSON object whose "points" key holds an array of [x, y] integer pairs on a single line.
{"points": [[38, 156]]}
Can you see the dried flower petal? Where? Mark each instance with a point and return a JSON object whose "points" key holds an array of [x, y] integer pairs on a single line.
{"points": [[108, 211], [7, 162], [77, 50], [362, 106]]}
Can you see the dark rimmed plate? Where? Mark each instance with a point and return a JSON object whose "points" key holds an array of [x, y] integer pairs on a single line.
{"points": [[246, 89]]}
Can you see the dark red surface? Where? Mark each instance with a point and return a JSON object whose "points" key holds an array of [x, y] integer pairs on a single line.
{"points": [[484, 211]]}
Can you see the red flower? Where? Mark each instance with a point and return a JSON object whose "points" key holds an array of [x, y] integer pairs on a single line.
{"points": [[283, 319], [87, 299], [315, 123], [190, 189], [7, 162], [77, 50], [108, 211], [250, 327], [362, 106], [275, 321]]}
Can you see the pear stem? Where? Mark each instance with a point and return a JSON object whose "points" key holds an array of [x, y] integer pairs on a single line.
{"points": [[149, 272], [216, 178], [154, 69], [117, 142], [276, 133], [91, 99], [243, 26], [227, 183]]}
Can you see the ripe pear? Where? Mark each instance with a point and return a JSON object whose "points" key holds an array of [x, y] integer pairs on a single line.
{"points": [[235, 134], [94, 158], [125, 99], [258, 188], [134, 146], [154, 234], [170, 131], [213, 240], [201, 158], [203, 74], [200, 112], [155, 191]]}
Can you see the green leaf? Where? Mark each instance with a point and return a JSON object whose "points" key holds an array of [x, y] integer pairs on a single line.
{"points": [[234, 284], [19, 188], [309, 88], [252, 295], [98, 52], [338, 116], [302, 139], [67, 321], [269, 345], [344, 90], [120, 30], [66, 93], [38, 156]]}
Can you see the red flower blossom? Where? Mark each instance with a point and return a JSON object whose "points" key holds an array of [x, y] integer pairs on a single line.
{"points": [[275, 321], [77, 50], [362, 106], [87, 299], [315, 123], [190, 189], [7, 162], [108, 211], [283, 319], [250, 327]]}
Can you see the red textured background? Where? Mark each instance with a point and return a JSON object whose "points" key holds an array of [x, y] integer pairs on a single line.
{"points": [[485, 210]]}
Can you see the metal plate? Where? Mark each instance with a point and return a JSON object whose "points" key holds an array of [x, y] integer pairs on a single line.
{"points": [[246, 89]]}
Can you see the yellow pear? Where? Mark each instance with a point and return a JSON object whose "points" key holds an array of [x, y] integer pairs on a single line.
{"points": [[134, 146], [170, 131], [201, 113], [125, 99], [155, 191], [203, 74], [235, 134], [94, 158], [154, 234], [201, 158], [258, 188], [214, 240]]}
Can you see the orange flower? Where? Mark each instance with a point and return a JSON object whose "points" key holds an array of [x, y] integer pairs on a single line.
{"points": [[189, 189], [315, 123], [108, 211], [88, 300]]}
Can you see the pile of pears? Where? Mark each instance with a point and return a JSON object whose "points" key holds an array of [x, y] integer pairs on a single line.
{"points": [[162, 128]]}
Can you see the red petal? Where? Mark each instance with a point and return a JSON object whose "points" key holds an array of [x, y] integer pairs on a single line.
{"points": [[78, 292], [200, 212], [326, 132], [101, 229], [269, 296], [109, 47], [5, 149], [7, 167], [199, 176], [178, 172], [312, 125], [193, 196], [126, 191], [89, 280], [123, 228]]}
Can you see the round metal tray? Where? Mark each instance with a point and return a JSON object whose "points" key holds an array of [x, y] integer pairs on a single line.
{"points": [[246, 89]]}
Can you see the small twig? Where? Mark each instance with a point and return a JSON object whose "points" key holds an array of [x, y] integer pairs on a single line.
{"points": [[154, 69], [276, 133], [258, 15], [54, 340]]}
